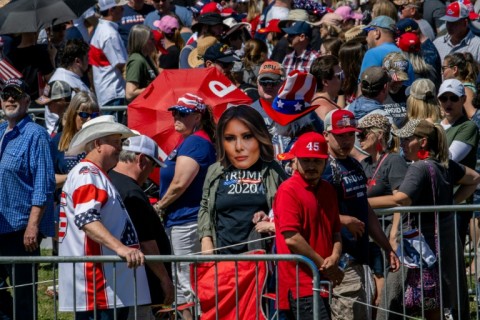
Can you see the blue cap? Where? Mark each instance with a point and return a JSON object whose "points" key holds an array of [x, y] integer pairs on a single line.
{"points": [[220, 52], [406, 25], [383, 22], [299, 27]]}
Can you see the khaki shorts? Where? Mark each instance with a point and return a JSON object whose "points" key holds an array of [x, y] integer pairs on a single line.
{"points": [[350, 298]]}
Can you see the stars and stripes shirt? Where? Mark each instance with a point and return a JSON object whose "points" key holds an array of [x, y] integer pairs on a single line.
{"points": [[301, 62], [89, 196]]}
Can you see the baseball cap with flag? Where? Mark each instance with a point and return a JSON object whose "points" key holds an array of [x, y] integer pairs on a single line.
{"points": [[458, 10], [189, 103], [308, 145], [293, 100]]}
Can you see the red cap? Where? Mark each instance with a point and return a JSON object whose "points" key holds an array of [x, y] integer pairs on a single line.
{"points": [[409, 42], [272, 26], [211, 7], [157, 38], [340, 121], [308, 145]]}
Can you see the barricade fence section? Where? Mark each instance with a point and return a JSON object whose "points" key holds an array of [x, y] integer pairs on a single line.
{"points": [[223, 286], [432, 282]]}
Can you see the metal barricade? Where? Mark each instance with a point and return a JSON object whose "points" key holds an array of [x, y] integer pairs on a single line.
{"points": [[196, 260], [456, 282]]}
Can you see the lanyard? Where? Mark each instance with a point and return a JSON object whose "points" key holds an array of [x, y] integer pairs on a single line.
{"points": [[372, 181]]}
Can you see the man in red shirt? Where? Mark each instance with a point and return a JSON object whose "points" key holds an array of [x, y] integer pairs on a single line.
{"points": [[307, 223]]}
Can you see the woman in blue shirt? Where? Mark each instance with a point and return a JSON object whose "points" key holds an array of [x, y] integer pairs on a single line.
{"points": [[181, 183]]}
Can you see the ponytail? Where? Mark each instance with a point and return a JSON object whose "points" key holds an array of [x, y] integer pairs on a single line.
{"points": [[442, 145]]}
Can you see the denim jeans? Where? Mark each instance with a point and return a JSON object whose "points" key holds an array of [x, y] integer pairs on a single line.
{"points": [[305, 308], [11, 244]]}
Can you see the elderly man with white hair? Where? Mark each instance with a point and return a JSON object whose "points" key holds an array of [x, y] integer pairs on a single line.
{"points": [[94, 222]]}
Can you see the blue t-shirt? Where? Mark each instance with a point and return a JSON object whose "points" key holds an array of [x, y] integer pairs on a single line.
{"points": [[130, 18], [182, 13], [350, 183], [374, 58], [185, 208]]}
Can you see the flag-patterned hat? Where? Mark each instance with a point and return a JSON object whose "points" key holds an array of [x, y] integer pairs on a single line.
{"points": [[189, 103], [294, 96]]}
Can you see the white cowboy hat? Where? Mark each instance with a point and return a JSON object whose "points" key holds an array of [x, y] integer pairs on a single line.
{"points": [[99, 127]]}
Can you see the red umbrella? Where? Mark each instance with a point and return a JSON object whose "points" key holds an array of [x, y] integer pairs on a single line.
{"points": [[148, 113]]}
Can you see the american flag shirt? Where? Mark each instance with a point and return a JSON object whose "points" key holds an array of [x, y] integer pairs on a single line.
{"points": [[88, 196], [301, 62]]}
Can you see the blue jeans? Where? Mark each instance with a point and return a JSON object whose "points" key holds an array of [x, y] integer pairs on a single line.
{"points": [[107, 314], [305, 308], [11, 244]]}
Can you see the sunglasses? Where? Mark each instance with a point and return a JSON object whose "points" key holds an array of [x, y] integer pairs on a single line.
{"points": [[5, 95], [86, 115], [180, 114], [269, 83], [363, 135], [346, 123], [452, 98]]}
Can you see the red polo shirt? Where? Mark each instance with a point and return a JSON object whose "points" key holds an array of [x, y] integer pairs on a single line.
{"points": [[312, 212]]}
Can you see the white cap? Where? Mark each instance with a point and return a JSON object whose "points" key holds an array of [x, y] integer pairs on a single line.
{"points": [[107, 4], [145, 145], [452, 85]]}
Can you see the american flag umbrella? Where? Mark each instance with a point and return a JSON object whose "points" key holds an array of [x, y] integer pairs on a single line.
{"points": [[20, 16]]}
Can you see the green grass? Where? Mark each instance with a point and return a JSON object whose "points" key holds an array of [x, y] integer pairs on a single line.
{"points": [[46, 306]]}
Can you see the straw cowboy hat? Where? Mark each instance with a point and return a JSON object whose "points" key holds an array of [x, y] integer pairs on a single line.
{"points": [[94, 129]]}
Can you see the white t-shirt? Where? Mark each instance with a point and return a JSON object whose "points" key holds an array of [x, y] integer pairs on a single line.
{"points": [[88, 196], [106, 51], [280, 13]]}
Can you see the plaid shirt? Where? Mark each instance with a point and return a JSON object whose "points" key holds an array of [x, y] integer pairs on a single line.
{"points": [[301, 62], [27, 177]]}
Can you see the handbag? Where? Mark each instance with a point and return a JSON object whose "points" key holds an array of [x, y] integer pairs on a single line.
{"points": [[426, 277]]}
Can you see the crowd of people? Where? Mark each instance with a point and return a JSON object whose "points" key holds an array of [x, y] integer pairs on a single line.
{"points": [[354, 107]]}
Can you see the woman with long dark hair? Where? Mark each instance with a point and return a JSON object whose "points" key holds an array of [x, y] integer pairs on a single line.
{"points": [[240, 186]]}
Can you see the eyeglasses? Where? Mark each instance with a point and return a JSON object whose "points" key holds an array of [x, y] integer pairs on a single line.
{"points": [[86, 115], [269, 83], [5, 95], [363, 135], [452, 98], [340, 75], [180, 114]]}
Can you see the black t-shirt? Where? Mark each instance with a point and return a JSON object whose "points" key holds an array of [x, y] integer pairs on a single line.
{"points": [[280, 50], [171, 59], [240, 194], [396, 106], [30, 61], [418, 186], [147, 224], [387, 178], [350, 182]]}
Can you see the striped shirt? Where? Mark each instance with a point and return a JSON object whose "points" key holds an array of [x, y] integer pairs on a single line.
{"points": [[302, 62]]}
